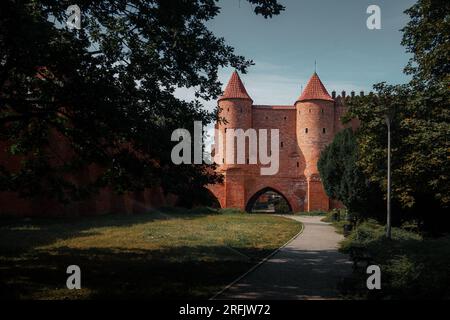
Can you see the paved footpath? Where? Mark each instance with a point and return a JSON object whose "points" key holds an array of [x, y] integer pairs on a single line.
{"points": [[309, 267]]}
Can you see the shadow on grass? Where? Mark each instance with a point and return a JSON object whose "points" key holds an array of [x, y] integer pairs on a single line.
{"points": [[182, 272]]}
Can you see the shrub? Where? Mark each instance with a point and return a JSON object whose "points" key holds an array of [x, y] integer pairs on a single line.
{"points": [[412, 267], [336, 215], [282, 207], [313, 213]]}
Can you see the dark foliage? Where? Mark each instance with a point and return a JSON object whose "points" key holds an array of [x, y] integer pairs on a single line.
{"points": [[107, 90], [343, 179]]}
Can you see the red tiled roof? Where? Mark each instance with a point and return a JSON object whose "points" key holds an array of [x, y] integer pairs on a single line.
{"points": [[315, 90], [235, 89]]}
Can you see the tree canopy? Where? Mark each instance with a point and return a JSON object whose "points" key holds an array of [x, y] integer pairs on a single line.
{"points": [[420, 112], [108, 90]]}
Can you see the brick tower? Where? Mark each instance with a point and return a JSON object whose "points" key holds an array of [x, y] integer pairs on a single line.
{"points": [[235, 105], [315, 129]]}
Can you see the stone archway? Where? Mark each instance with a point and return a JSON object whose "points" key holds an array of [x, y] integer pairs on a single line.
{"points": [[252, 200]]}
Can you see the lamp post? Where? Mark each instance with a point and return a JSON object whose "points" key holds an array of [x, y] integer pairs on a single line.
{"points": [[388, 218]]}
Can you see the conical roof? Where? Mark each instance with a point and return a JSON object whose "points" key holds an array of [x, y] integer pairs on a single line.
{"points": [[235, 89], [315, 90]]}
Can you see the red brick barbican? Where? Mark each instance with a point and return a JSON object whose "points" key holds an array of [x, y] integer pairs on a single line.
{"points": [[305, 128]]}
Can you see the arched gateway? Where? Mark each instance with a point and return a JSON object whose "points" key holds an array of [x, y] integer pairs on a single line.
{"points": [[305, 128], [268, 191]]}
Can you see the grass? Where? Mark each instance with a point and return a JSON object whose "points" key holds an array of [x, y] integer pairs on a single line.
{"points": [[311, 213], [412, 267], [165, 255]]}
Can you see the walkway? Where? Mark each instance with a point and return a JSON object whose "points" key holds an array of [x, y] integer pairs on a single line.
{"points": [[310, 267]]}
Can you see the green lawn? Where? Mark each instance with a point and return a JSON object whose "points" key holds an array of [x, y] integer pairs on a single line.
{"points": [[155, 255]]}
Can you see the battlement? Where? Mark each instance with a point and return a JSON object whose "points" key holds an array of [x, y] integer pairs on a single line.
{"points": [[344, 95]]}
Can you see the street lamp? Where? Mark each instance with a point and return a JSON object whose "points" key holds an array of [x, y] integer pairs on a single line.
{"points": [[388, 218]]}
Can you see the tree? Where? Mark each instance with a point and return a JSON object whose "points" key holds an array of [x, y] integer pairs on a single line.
{"points": [[427, 37], [107, 90], [421, 120], [343, 179]]}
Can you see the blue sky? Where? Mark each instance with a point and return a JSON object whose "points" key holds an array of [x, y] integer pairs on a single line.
{"points": [[349, 55]]}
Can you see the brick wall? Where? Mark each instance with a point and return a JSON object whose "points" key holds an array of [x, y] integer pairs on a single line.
{"points": [[106, 201]]}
